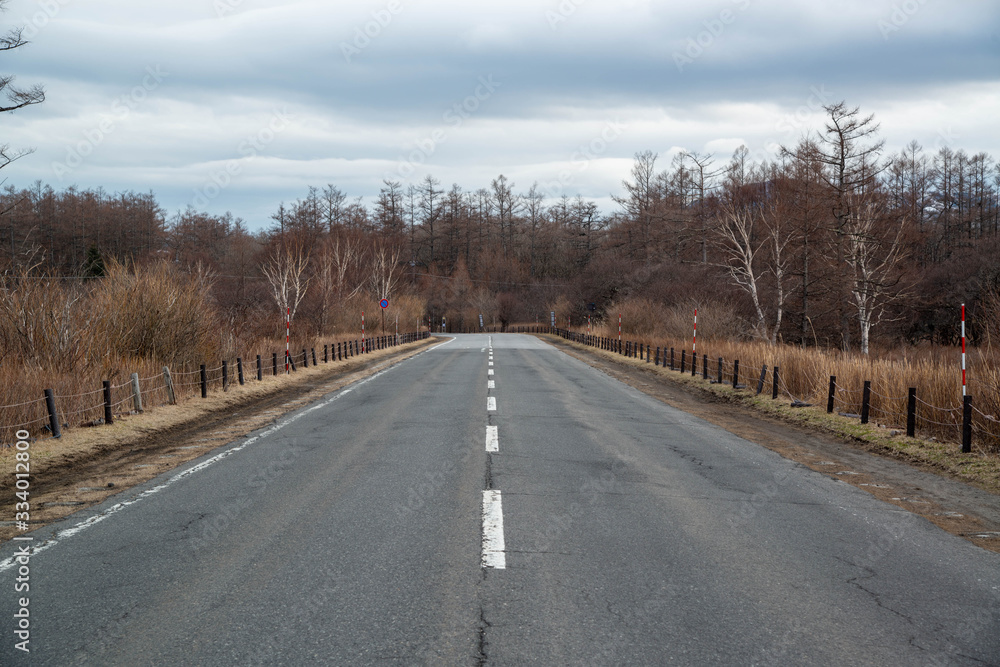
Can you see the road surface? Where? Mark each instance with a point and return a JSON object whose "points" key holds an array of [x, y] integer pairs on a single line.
{"points": [[495, 501]]}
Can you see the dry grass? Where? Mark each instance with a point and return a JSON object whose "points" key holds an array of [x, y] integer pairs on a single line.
{"points": [[805, 375]]}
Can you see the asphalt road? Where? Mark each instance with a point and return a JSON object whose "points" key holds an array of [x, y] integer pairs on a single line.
{"points": [[374, 527]]}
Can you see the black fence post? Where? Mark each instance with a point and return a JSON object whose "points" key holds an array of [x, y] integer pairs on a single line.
{"points": [[966, 424], [736, 373], [694, 363], [50, 405], [833, 392], [704, 367], [719, 379], [774, 383], [911, 412], [260, 370], [671, 358], [305, 358], [239, 369], [274, 363], [291, 361], [866, 400], [657, 362], [760, 381], [204, 382], [683, 359], [313, 350], [108, 417], [225, 375], [326, 358]]}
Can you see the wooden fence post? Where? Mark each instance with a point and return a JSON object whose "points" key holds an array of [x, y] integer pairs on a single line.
{"points": [[831, 394], [966, 424], [169, 381], [774, 383], [108, 417], [866, 401], [239, 369], [136, 395], [50, 405], [204, 382], [911, 412]]}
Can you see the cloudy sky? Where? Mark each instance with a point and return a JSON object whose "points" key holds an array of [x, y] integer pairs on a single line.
{"points": [[237, 105]]}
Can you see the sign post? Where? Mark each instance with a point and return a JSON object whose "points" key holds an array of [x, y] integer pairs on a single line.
{"points": [[384, 303]]}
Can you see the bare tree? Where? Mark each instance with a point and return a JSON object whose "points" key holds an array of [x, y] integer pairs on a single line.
{"points": [[16, 97], [335, 260], [285, 271], [874, 253], [754, 245]]}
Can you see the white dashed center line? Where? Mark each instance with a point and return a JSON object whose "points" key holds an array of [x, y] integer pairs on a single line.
{"points": [[492, 439], [491, 371], [493, 546], [491, 384], [491, 403]]}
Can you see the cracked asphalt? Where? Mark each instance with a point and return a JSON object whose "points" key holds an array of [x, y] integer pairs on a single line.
{"points": [[635, 533]]}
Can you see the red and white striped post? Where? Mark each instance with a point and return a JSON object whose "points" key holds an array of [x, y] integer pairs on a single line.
{"points": [[288, 328], [619, 326], [694, 338], [963, 349]]}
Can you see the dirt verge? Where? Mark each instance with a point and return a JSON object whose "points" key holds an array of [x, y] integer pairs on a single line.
{"points": [[87, 465], [960, 498]]}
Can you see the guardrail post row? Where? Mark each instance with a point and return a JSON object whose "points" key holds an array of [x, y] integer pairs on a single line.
{"points": [[966, 424], [832, 393], [108, 417], [866, 400], [204, 382], [50, 405], [169, 382]]}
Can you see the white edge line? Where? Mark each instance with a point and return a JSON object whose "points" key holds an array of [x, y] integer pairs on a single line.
{"points": [[8, 563], [493, 544]]}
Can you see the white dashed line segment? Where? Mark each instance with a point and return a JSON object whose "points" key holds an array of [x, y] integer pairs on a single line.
{"points": [[493, 546], [492, 439]]}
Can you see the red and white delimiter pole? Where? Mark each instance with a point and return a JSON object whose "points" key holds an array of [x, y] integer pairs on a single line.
{"points": [[288, 328], [694, 338], [963, 349], [619, 326]]}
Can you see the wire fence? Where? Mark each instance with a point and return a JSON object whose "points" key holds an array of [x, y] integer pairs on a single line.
{"points": [[74, 408], [877, 403]]}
